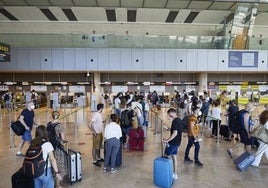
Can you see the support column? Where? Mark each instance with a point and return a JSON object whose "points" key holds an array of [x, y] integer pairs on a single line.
{"points": [[203, 81], [95, 91], [96, 87]]}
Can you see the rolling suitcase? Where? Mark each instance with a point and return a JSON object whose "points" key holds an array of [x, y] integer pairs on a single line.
{"points": [[74, 166], [162, 171], [19, 180], [246, 159], [136, 139]]}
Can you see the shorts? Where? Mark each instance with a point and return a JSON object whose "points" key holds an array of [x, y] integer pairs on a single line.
{"points": [[244, 138], [171, 150], [27, 136], [97, 141]]}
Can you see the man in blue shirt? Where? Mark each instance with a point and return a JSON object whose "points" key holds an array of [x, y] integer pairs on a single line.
{"points": [[27, 119]]}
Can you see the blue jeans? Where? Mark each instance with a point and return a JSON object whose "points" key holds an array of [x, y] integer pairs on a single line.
{"points": [[191, 142], [44, 181]]}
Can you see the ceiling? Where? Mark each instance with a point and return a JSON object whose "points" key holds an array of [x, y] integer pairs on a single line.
{"points": [[157, 16], [160, 11]]}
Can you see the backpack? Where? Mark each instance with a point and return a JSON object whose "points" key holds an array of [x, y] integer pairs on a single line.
{"points": [[185, 123], [232, 119], [125, 120], [6, 97], [239, 121], [53, 138], [34, 164]]}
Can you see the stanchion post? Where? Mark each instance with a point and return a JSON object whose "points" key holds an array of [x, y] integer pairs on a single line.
{"points": [[83, 113], [156, 125], [218, 131], [47, 116], [0, 111], [203, 124], [161, 136], [12, 136], [75, 120]]}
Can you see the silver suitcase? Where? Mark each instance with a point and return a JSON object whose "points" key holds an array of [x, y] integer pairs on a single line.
{"points": [[74, 166]]}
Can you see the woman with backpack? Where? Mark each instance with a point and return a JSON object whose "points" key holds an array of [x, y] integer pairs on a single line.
{"points": [[56, 135], [46, 180]]}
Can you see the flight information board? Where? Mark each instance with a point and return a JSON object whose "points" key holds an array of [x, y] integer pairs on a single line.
{"points": [[4, 52]]}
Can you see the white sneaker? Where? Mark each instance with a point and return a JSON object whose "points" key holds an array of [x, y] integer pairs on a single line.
{"points": [[175, 176]]}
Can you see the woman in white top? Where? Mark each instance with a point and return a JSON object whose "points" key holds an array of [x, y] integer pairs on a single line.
{"points": [[216, 113], [112, 134], [45, 180], [263, 147]]}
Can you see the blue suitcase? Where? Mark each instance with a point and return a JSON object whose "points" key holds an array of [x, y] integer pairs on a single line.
{"points": [[244, 161], [163, 173]]}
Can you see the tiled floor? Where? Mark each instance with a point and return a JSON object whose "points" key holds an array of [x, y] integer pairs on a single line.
{"points": [[136, 171]]}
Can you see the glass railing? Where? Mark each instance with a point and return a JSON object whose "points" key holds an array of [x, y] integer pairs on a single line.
{"points": [[120, 41]]}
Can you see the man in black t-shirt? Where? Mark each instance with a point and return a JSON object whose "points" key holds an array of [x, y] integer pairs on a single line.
{"points": [[174, 140]]}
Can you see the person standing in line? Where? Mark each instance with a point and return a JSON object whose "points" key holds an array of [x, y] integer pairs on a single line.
{"points": [[27, 120], [245, 122], [51, 98], [96, 126], [60, 134], [193, 131], [174, 140], [112, 134], [182, 111], [216, 113], [28, 96], [34, 97], [117, 102], [46, 180], [263, 147]]}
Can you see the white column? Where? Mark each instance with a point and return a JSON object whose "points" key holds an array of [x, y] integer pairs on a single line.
{"points": [[203, 80], [96, 87]]}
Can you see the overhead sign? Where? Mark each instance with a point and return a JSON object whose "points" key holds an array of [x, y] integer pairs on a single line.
{"points": [[4, 52]]}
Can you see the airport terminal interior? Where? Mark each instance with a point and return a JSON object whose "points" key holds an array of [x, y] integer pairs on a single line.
{"points": [[74, 52], [137, 167]]}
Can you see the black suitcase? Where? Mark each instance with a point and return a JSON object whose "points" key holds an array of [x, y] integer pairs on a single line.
{"points": [[19, 180]]}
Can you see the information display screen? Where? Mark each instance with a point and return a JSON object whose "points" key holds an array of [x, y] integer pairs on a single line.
{"points": [[241, 59], [4, 52]]}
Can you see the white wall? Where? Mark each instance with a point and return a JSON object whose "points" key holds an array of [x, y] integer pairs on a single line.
{"points": [[121, 60]]}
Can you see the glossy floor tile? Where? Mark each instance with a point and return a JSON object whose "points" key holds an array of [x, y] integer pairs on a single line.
{"points": [[136, 171]]}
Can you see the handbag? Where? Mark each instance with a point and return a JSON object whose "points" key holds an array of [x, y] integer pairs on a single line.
{"points": [[18, 128], [261, 133]]}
